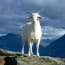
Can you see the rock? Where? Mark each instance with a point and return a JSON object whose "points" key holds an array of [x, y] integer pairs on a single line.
{"points": [[2, 62], [43, 60], [33, 60], [10, 61], [8, 53]]}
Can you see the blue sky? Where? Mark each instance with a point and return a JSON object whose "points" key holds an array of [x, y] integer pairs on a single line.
{"points": [[13, 14]]}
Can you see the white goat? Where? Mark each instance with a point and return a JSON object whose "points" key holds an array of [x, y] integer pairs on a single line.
{"points": [[32, 33]]}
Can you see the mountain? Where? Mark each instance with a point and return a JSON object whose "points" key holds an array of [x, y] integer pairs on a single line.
{"points": [[13, 42], [56, 48]]}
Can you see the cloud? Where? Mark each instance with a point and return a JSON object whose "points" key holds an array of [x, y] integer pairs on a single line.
{"points": [[35, 2], [40, 2], [58, 23], [3, 35], [14, 16], [52, 32], [53, 10]]}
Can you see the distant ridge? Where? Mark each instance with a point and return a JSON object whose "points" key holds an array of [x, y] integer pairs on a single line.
{"points": [[13, 42], [56, 48]]}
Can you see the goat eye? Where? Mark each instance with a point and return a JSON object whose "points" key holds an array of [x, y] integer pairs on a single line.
{"points": [[30, 16], [39, 17]]}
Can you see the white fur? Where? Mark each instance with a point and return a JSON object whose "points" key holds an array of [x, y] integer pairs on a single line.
{"points": [[32, 33]]}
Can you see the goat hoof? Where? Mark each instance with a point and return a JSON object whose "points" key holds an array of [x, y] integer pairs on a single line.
{"points": [[38, 55], [29, 55]]}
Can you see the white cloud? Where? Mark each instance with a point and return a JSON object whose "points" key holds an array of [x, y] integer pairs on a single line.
{"points": [[3, 35], [48, 30], [50, 38], [52, 33]]}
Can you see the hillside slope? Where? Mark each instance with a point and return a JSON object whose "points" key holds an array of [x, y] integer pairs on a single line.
{"points": [[32, 60]]}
